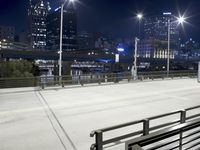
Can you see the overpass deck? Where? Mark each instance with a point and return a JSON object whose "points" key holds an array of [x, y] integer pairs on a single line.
{"points": [[59, 119]]}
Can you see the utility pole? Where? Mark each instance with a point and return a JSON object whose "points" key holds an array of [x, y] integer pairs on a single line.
{"points": [[61, 39], [134, 67], [168, 47]]}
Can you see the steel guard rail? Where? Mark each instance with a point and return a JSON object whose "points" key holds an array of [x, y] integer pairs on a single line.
{"points": [[146, 128]]}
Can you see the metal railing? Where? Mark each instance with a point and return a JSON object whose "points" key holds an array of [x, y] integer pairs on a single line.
{"points": [[19, 82], [111, 78], [52, 81], [163, 74], [172, 138], [147, 127], [85, 79]]}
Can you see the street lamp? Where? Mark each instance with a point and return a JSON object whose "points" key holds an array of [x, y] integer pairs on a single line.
{"points": [[180, 20], [139, 16], [61, 36], [134, 67]]}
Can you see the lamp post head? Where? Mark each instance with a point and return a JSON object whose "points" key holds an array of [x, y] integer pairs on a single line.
{"points": [[181, 20], [139, 16], [68, 1]]}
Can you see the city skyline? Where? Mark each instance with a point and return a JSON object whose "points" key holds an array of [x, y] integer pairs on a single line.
{"points": [[112, 18], [99, 74]]}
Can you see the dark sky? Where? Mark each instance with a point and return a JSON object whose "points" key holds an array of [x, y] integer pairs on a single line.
{"points": [[113, 17]]}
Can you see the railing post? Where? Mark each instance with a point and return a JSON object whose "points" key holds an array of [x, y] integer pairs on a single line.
{"points": [[106, 78], [142, 78], [63, 84], [99, 140], [79, 80], [99, 79], [180, 75], [129, 78], [43, 86], [152, 78], [146, 127], [183, 116], [182, 120], [91, 79], [42, 82], [35, 81]]}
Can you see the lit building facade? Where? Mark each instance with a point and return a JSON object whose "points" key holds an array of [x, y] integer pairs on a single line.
{"points": [[11, 45], [155, 49], [156, 27], [156, 35], [69, 42], [146, 49], [37, 14], [5, 44], [190, 49], [7, 33]]}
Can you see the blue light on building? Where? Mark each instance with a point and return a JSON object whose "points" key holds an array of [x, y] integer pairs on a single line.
{"points": [[120, 49]]}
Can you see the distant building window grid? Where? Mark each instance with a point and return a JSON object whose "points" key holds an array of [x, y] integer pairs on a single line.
{"points": [[69, 31], [37, 25]]}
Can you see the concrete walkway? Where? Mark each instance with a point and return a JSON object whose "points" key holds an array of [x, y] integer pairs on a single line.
{"points": [[63, 118]]}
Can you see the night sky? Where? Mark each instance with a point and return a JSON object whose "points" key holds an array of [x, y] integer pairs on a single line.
{"points": [[112, 17]]}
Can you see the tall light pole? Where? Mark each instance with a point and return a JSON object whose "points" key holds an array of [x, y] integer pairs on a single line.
{"points": [[139, 16], [168, 46], [61, 39], [180, 20], [134, 67], [61, 36]]}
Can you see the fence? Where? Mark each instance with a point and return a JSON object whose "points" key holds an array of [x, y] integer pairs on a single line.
{"points": [[153, 141], [19, 82], [182, 116], [52, 81], [110, 78]]}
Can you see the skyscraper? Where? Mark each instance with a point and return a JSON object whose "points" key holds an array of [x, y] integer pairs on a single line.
{"points": [[7, 33], [69, 30], [155, 44], [156, 27], [37, 13]]}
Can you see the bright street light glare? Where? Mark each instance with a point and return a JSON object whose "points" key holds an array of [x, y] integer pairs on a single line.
{"points": [[68, 1], [139, 16], [120, 49], [181, 19]]}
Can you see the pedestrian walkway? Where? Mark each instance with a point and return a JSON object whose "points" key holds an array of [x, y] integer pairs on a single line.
{"points": [[60, 119]]}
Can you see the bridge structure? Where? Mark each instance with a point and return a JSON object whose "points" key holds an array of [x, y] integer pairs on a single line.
{"points": [[63, 118], [71, 56], [53, 55]]}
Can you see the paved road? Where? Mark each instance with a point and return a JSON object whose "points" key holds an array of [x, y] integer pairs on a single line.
{"points": [[63, 118]]}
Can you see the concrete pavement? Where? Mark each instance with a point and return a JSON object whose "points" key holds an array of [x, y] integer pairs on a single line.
{"points": [[60, 119]]}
